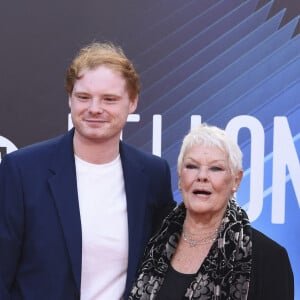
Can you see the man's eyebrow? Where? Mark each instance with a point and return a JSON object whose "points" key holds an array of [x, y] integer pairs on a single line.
{"points": [[114, 95], [81, 92]]}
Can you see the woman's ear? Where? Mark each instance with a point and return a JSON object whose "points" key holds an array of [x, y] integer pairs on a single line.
{"points": [[179, 183], [237, 181]]}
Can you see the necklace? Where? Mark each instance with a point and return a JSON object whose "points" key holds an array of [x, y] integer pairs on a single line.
{"points": [[195, 242]]}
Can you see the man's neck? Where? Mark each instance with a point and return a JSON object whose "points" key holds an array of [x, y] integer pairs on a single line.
{"points": [[96, 152]]}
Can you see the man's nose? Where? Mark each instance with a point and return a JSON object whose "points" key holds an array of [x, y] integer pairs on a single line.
{"points": [[95, 106]]}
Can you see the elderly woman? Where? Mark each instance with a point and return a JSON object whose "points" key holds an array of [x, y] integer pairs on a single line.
{"points": [[206, 248]]}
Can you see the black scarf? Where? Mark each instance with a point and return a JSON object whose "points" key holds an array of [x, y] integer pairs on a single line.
{"points": [[223, 275]]}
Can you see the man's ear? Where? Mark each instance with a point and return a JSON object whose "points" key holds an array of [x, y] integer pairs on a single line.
{"points": [[133, 104], [69, 101]]}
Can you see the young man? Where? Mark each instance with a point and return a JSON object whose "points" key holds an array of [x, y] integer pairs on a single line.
{"points": [[77, 211]]}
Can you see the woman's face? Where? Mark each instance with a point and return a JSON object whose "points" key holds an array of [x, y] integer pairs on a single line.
{"points": [[206, 181]]}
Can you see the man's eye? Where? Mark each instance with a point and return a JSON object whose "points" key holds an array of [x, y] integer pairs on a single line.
{"points": [[109, 99], [82, 97]]}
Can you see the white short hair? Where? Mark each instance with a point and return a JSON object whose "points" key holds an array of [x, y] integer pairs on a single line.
{"points": [[212, 136]]}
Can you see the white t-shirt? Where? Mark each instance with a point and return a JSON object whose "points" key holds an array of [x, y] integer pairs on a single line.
{"points": [[103, 212]]}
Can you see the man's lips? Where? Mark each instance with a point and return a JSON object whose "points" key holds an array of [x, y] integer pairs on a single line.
{"points": [[95, 121]]}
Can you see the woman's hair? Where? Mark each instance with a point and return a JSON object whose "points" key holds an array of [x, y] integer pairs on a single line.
{"points": [[103, 54], [207, 135]]}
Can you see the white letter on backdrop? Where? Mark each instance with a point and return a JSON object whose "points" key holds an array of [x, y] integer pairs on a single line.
{"points": [[156, 138], [284, 155], [195, 120], [256, 162]]}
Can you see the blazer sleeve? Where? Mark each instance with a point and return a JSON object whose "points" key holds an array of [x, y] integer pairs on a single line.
{"points": [[271, 276], [11, 224]]}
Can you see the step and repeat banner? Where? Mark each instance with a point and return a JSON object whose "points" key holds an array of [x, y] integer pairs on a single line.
{"points": [[231, 63]]}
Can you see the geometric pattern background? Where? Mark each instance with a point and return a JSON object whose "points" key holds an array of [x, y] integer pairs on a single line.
{"points": [[215, 59]]}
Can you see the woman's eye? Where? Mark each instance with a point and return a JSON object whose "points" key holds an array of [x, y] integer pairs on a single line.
{"points": [[191, 166], [215, 168]]}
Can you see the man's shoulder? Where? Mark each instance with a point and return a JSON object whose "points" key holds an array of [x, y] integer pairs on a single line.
{"points": [[38, 149]]}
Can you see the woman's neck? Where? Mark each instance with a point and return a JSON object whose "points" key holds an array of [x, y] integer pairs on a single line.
{"points": [[201, 225]]}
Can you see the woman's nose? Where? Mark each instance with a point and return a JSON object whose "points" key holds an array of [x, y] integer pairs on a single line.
{"points": [[202, 175]]}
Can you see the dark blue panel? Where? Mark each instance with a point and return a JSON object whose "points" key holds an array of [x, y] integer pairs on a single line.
{"points": [[191, 74], [189, 39], [242, 57], [165, 21], [247, 82]]}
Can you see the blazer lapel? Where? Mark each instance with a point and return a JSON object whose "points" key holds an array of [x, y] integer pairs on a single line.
{"points": [[136, 187], [64, 189]]}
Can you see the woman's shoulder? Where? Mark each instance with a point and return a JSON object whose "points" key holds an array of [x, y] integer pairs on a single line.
{"points": [[271, 273], [260, 240], [265, 249]]}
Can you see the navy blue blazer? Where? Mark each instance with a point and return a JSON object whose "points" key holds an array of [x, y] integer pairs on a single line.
{"points": [[40, 229]]}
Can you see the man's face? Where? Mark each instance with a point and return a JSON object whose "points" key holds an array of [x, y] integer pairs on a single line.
{"points": [[100, 105]]}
